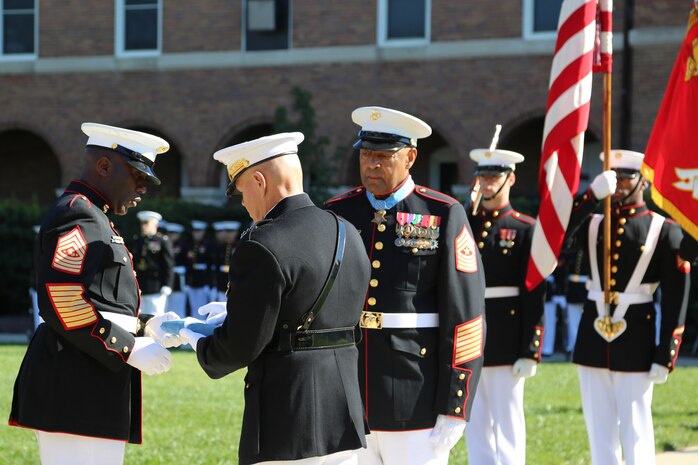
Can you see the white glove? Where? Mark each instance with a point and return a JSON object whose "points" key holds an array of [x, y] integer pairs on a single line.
{"points": [[524, 368], [154, 330], [165, 290], [604, 184], [149, 357], [446, 433], [658, 374], [214, 312], [190, 337]]}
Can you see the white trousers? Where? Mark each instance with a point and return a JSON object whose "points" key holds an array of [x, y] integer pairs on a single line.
{"points": [[177, 302], [153, 304], [401, 448], [617, 410], [198, 297], [550, 324], [70, 449], [574, 316], [496, 432], [346, 457]]}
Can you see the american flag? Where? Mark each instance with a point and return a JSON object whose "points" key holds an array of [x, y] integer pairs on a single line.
{"points": [[567, 115]]}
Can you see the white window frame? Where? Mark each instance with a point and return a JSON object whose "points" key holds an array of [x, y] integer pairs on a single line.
{"points": [[243, 32], [528, 32], [120, 36], [19, 56], [382, 28]]}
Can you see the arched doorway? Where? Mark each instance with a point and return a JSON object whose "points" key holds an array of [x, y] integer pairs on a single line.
{"points": [[32, 170], [168, 167], [526, 138]]}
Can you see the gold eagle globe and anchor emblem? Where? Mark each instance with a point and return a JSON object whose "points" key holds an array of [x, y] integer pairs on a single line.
{"points": [[692, 62]]}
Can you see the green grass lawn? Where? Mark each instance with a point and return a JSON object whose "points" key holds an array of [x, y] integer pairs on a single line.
{"points": [[191, 419]]}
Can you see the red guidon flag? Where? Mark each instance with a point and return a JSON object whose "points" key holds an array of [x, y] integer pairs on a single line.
{"points": [[566, 118], [671, 157]]}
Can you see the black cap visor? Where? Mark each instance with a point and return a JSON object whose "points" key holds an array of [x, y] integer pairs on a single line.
{"points": [[492, 170], [626, 173], [381, 141], [145, 169]]}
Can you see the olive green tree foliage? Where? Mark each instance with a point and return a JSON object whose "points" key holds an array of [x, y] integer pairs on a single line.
{"points": [[318, 165]]}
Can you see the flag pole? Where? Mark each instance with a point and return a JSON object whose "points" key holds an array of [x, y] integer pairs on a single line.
{"points": [[607, 81]]}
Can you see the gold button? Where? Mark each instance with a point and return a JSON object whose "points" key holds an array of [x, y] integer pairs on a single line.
{"points": [[512, 312], [676, 341], [620, 231], [376, 264], [480, 244], [623, 221], [485, 234], [649, 317], [538, 332], [614, 269], [360, 189], [618, 243], [461, 377], [668, 364], [642, 248], [536, 343], [125, 349], [102, 330], [616, 256], [535, 355], [247, 386], [459, 393], [373, 283], [457, 410], [422, 190], [381, 227], [613, 282], [415, 250], [379, 246], [673, 352], [371, 301], [113, 340], [505, 251], [488, 224], [632, 211], [495, 213], [422, 351]]}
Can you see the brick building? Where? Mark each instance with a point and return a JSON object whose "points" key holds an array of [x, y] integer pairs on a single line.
{"points": [[209, 73]]}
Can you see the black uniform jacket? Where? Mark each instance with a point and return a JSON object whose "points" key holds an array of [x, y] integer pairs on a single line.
{"points": [[410, 375], [515, 323], [198, 257], [635, 349], [74, 377], [154, 261], [300, 403]]}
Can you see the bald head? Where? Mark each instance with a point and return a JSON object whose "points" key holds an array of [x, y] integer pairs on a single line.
{"points": [[284, 175]]}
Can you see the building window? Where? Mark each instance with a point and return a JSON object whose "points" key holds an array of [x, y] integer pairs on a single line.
{"points": [[267, 24], [18, 28], [404, 22], [138, 27], [540, 18]]}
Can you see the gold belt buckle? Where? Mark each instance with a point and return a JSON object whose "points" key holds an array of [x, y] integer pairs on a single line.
{"points": [[371, 320]]}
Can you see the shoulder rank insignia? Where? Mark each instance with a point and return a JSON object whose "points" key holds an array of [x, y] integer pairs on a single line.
{"points": [[70, 252], [466, 260]]}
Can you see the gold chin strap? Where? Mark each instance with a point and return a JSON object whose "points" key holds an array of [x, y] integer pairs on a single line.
{"points": [[236, 167]]}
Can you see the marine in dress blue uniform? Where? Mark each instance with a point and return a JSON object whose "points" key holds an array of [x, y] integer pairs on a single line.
{"points": [[423, 326], [81, 375], [177, 301], [619, 361], [154, 260], [496, 434], [302, 398], [200, 270], [226, 237]]}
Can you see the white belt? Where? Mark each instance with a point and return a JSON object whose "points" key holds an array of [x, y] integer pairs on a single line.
{"points": [[578, 278], [501, 291], [379, 320], [628, 298], [200, 266], [179, 270], [126, 322]]}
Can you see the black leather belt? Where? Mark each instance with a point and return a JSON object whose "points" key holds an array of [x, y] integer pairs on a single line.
{"points": [[313, 339]]}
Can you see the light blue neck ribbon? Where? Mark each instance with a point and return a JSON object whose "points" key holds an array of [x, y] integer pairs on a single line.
{"points": [[392, 199]]}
